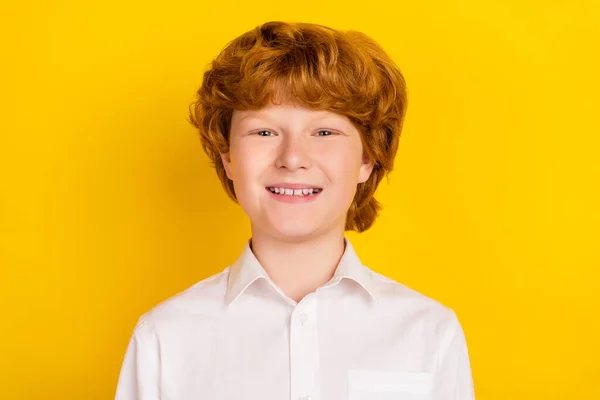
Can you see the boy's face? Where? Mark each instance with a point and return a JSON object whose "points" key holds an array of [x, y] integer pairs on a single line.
{"points": [[279, 153]]}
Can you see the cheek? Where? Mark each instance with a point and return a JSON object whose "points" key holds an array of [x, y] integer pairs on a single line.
{"points": [[341, 163], [248, 167]]}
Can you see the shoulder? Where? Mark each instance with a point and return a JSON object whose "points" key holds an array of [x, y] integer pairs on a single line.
{"points": [[397, 299], [419, 317], [203, 298]]}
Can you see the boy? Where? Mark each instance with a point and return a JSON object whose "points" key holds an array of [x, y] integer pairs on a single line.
{"points": [[301, 123]]}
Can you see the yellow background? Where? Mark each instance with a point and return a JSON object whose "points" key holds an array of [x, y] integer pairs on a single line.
{"points": [[108, 205]]}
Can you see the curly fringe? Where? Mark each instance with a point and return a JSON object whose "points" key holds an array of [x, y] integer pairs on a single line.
{"points": [[315, 66]]}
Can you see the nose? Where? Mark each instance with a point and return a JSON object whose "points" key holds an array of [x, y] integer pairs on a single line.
{"points": [[293, 154]]}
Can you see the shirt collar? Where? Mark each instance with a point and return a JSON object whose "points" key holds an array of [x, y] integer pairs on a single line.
{"points": [[247, 269]]}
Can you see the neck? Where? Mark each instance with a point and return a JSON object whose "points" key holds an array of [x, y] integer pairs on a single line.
{"points": [[299, 267]]}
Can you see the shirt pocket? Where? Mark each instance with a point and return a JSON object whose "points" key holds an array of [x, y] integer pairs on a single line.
{"points": [[389, 385]]}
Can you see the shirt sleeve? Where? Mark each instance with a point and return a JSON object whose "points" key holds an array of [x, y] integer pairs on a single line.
{"points": [[453, 378], [139, 378]]}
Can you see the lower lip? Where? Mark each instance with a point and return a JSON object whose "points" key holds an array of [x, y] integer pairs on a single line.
{"points": [[294, 199]]}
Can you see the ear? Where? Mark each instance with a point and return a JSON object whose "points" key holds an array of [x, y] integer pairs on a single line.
{"points": [[226, 159], [365, 168]]}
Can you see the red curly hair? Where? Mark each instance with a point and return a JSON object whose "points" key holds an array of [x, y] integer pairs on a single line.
{"points": [[312, 65]]}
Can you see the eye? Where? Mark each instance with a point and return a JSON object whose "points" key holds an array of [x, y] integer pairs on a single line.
{"points": [[265, 133], [325, 133]]}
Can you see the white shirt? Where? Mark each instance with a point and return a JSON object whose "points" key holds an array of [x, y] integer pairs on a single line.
{"points": [[236, 335]]}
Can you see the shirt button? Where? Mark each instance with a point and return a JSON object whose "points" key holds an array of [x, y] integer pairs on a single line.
{"points": [[305, 397], [303, 319]]}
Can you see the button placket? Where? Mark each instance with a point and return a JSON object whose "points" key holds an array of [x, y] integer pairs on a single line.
{"points": [[304, 352]]}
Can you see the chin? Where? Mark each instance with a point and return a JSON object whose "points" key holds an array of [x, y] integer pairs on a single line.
{"points": [[290, 229], [297, 234], [293, 231]]}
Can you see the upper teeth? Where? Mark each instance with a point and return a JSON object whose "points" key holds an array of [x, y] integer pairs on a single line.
{"points": [[293, 192]]}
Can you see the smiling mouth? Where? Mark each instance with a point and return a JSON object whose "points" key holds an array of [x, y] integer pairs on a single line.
{"points": [[295, 192]]}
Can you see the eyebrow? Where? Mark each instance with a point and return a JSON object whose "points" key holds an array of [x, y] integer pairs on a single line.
{"points": [[265, 117], [251, 116]]}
